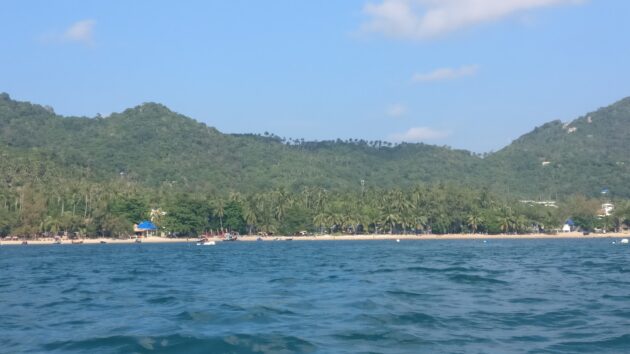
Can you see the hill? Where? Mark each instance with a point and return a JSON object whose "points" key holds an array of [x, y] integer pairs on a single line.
{"points": [[155, 146], [586, 156], [158, 148]]}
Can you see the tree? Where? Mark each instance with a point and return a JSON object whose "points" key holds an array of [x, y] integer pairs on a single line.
{"points": [[250, 217], [234, 216], [219, 211], [187, 216], [474, 220], [321, 220], [116, 226], [133, 209]]}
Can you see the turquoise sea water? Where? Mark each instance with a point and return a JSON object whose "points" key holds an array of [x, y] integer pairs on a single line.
{"points": [[504, 296]]}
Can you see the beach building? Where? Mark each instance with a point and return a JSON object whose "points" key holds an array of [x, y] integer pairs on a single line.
{"points": [[144, 228], [568, 226], [607, 209]]}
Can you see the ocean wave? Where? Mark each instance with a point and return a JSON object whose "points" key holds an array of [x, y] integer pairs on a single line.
{"points": [[176, 343], [434, 297], [617, 344], [162, 300], [409, 318], [475, 279]]}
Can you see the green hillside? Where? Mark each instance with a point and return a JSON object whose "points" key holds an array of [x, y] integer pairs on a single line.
{"points": [[155, 146], [97, 176], [584, 156], [158, 148]]}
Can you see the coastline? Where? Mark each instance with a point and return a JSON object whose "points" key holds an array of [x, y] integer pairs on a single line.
{"points": [[381, 237]]}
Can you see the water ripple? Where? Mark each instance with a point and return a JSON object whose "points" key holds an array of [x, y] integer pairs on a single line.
{"points": [[510, 296]]}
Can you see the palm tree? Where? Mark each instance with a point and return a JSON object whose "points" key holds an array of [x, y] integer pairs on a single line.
{"points": [[421, 222], [219, 211], [474, 220], [235, 197], [321, 198], [521, 224], [321, 220], [283, 201], [337, 220], [51, 224], [390, 218], [250, 217], [506, 221]]}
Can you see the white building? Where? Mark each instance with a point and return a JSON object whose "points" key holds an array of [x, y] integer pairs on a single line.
{"points": [[607, 209]]}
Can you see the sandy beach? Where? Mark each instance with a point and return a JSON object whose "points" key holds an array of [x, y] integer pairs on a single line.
{"points": [[152, 239]]}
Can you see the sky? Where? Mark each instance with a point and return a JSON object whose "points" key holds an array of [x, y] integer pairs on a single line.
{"points": [[470, 74]]}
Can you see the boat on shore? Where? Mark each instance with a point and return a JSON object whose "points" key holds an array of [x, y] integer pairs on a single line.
{"points": [[230, 237]]}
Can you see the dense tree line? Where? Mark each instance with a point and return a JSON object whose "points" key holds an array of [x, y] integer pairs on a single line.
{"points": [[91, 209]]}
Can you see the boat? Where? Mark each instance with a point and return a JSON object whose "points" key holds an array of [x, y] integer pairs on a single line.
{"points": [[259, 239], [624, 241], [77, 242], [230, 237], [102, 242], [138, 240], [289, 239], [205, 242]]}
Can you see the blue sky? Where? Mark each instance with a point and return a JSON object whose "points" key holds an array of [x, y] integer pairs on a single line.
{"points": [[471, 74]]}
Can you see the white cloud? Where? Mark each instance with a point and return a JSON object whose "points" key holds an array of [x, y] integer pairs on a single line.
{"points": [[418, 134], [421, 19], [81, 32], [446, 74], [396, 110]]}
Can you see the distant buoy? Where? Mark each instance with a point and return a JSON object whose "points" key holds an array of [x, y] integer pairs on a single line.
{"points": [[397, 240], [614, 242], [625, 240], [484, 241]]}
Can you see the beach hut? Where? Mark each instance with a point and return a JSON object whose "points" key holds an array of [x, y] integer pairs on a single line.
{"points": [[143, 228]]}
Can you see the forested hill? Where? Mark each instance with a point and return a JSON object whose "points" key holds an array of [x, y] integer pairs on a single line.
{"points": [[156, 147], [586, 155]]}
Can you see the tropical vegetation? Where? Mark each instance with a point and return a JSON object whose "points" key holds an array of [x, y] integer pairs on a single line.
{"points": [[97, 176]]}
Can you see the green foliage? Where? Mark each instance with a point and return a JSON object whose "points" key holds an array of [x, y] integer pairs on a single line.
{"points": [[297, 219], [187, 216], [133, 209], [583, 156], [233, 217], [97, 176]]}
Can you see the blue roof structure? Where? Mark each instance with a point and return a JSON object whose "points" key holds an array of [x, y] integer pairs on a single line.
{"points": [[570, 222], [147, 225]]}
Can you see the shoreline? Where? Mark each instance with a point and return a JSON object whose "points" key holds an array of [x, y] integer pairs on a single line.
{"points": [[379, 237]]}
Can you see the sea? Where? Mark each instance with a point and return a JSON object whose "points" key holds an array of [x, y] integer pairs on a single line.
{"points": [[437, 296]]}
